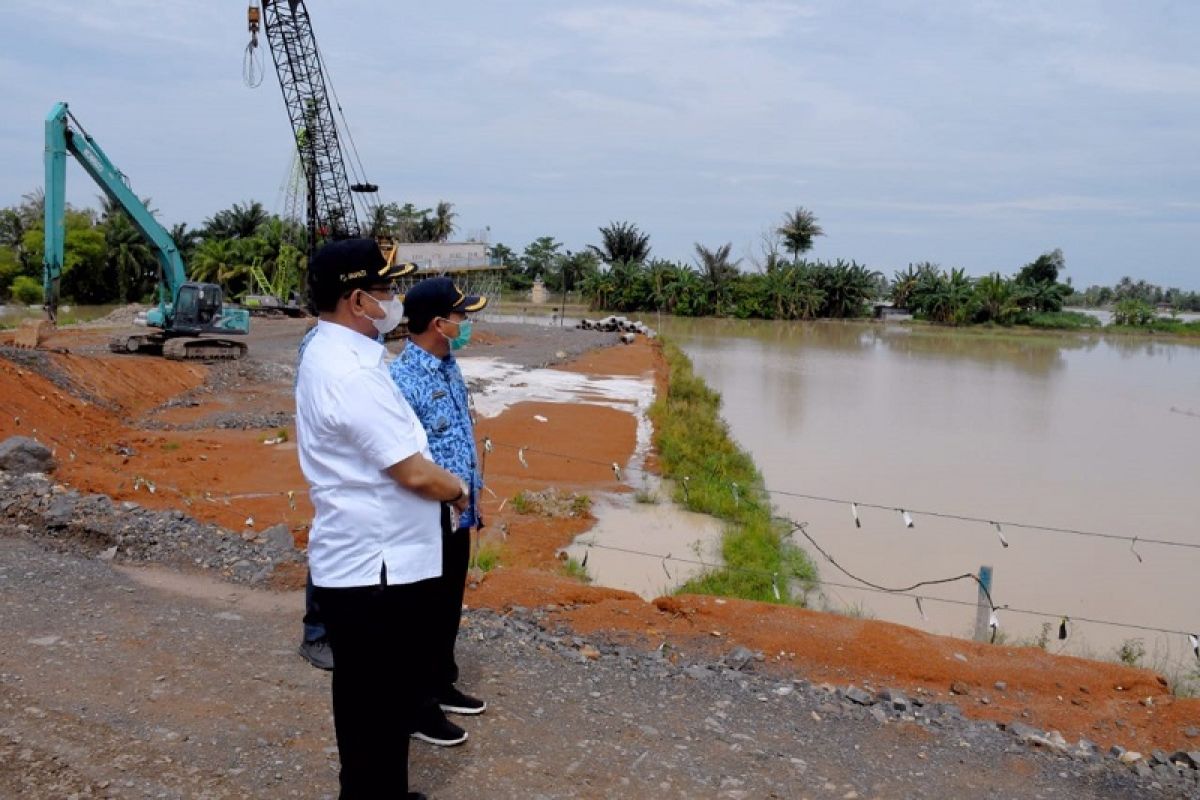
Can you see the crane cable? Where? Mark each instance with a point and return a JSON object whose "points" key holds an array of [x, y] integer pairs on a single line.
{"points": [[356, 166], [253, 68]]}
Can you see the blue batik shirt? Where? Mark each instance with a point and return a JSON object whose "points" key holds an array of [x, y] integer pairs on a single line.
{"points": [[435, 389]]}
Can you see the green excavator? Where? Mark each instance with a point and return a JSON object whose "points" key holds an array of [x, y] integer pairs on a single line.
{"points": [[191, 320]]}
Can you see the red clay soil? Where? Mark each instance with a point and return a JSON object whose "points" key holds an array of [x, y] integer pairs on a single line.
{"points": [[1103, 702]]}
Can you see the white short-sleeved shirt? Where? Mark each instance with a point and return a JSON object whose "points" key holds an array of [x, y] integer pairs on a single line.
{"points": [[352, 423]]}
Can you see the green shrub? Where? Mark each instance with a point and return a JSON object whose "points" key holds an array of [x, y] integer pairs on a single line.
{"points": [[1132, 311], [1131, 652], [1058, 320], [26, 290]]}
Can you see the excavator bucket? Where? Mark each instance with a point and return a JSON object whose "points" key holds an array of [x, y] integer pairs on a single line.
{"points": [[32, 332]]}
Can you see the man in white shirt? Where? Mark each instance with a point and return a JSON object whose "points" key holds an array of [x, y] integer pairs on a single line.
{"points": [[374, 549]]}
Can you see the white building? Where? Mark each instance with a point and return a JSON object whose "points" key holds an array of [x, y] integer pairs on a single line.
{"points": [[445, 256]]}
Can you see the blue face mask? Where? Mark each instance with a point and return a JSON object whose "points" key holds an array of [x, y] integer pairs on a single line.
{"points": [[464, 335]]}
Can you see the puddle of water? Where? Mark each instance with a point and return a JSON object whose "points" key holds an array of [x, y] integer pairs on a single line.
{"points": [[661, 529]]}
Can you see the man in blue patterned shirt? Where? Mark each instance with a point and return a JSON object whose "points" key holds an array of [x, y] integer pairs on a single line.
{"points": [[429, 378]]}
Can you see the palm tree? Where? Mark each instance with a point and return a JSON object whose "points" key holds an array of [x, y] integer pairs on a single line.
{"points": [[995, 298], [379, 222], [185, 239], [622, 242], [442, 226], [236, 222], [798, 230], [129, 257], [903, 283], [599, 288], [718, 272], [847, 287], [213, 258]]}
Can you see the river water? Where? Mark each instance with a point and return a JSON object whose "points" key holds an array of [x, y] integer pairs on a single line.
{"points": [[1078, 432]]}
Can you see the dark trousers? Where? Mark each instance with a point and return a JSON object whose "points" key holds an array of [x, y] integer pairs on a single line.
{"points": [[381, 638], [447, 604], [314, 627]]}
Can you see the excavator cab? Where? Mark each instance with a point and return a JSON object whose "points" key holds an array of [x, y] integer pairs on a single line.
{"points": [[196, 307]]}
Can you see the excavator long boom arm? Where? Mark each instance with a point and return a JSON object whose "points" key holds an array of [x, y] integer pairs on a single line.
{"points": [[65, 135]]}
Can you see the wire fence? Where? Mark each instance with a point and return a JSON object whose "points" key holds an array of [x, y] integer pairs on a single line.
{"points": [[746, 495]]}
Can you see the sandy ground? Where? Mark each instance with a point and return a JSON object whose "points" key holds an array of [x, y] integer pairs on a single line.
{"points": [[198, 434]]}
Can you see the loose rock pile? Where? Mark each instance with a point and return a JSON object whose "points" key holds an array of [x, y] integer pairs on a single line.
{"points": [[33, 505], [1177, 772]]}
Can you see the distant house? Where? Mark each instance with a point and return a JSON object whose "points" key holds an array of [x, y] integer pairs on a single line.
{"points": [[888, 311], [469, 263], [444, 257]]}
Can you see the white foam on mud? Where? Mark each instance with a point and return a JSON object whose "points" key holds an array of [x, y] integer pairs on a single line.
{"points": [[504, 384]]}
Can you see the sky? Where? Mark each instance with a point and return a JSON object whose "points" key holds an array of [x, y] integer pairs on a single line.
{"points": [[970, 133]]}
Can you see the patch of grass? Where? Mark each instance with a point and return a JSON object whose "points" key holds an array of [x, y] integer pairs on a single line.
{"points": [[169, 446], [574, 569], [522, 504], [552, 503], [696, 450], [487, 556]]}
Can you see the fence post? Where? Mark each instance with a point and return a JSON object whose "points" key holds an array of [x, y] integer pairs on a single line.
{"points": [[983, 609]]}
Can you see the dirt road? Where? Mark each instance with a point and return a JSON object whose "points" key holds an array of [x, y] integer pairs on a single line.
{"points": [[147, 683]]}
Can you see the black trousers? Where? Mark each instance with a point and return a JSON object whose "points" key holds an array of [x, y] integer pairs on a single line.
{"points": [[381, 640], [447, 603]]}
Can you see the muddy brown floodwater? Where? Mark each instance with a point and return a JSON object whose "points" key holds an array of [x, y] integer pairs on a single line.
{"points": [[1080, 432]]}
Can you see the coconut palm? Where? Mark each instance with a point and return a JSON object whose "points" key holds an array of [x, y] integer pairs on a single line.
{"points": [[441, 226], [622, 242], [798, 230], [718, 272]]}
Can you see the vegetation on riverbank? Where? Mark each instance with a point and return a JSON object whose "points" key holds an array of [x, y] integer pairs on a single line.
{"points": [[713, 475]]}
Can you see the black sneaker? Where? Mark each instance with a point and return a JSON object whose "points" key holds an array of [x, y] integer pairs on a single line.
{"points": [[318, 653], [440, 731], [455, 702]]}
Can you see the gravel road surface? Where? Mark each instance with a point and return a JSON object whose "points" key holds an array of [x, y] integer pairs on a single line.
{"points": [[147, 682]]}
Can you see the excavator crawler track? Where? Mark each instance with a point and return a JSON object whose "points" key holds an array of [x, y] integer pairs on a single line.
{"points": [[179, 348]]}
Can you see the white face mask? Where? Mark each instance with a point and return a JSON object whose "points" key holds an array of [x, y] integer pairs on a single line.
{"points": [[393, 313]]}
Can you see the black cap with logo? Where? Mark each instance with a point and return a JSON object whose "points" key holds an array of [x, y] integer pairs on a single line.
{"points": [[353, 264], [438, 297]]}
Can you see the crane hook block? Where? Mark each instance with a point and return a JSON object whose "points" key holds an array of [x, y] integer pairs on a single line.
{"points": [[253, 16]]}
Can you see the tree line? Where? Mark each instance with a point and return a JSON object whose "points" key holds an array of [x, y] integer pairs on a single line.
{"points": [[243, 248], [619, 273]]}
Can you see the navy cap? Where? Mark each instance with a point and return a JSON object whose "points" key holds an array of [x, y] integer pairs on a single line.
{"points": [[354, 264], [438, 297]]}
